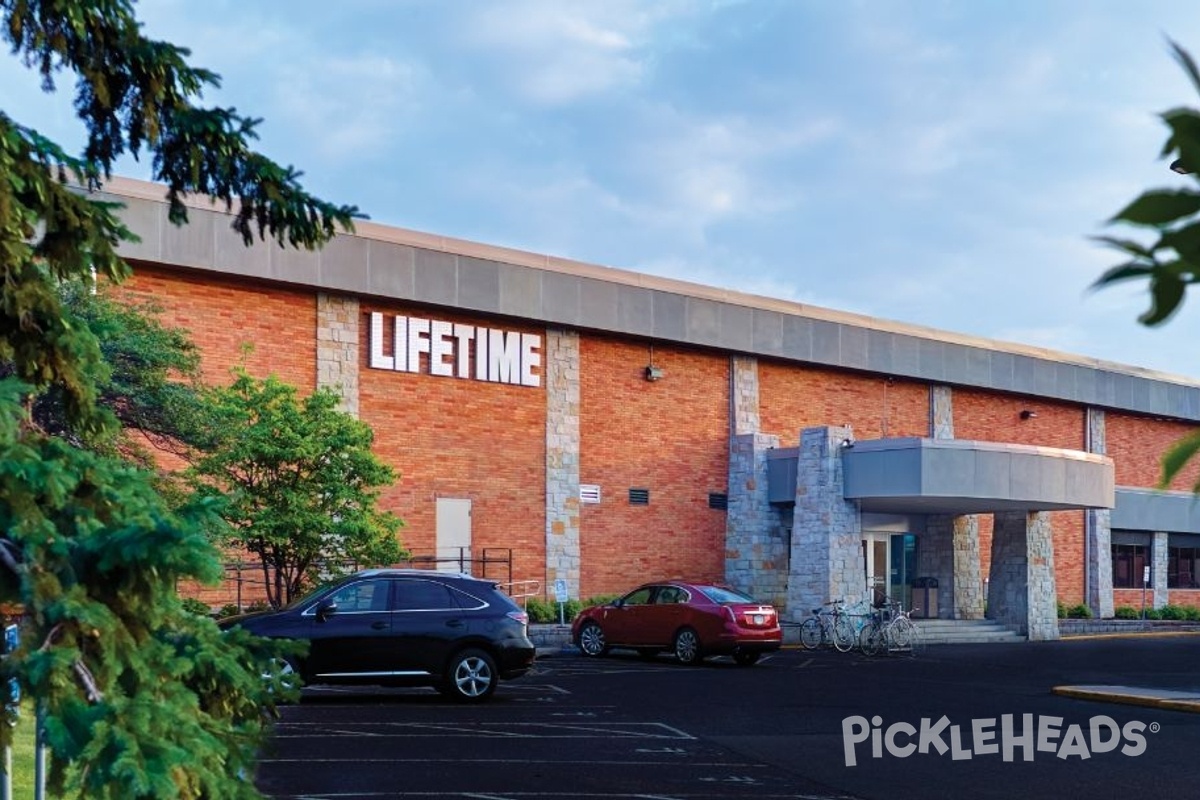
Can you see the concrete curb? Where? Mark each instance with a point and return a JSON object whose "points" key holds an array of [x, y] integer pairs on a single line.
{"points": [[1167, 699], [1074, 637]]}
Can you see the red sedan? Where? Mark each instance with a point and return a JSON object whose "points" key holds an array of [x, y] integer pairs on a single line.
{"points": [[692, 620]]}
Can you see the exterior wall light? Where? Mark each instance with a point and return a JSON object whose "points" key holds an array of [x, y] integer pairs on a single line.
{"points": [[654, 373], [1027, 414]]}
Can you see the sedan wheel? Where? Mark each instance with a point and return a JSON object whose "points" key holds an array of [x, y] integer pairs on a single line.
{"points": [[591, 640], [471, 676], [687, 646], [284, 671]]}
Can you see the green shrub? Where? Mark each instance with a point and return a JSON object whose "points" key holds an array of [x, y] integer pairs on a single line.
{"points": [[1153, 613], [198, 607], [1126, 612], [1172, 612], [1062, 610], [542, 611], [228, 610], [1191, 613], [1080, 611]]}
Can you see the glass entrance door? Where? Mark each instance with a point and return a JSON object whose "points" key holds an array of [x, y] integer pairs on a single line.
{"points": [[891, 563]]}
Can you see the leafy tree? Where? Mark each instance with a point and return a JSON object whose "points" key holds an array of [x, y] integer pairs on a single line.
{"points": [[142, 699], [300, 483], [1171, 263]]}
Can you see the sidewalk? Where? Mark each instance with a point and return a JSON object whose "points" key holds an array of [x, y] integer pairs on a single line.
{"points": [[1167, 699]]}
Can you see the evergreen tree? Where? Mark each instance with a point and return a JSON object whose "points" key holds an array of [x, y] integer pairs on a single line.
{"points": [[143, 700]]}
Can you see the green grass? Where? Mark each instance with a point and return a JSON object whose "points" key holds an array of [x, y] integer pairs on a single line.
{"points": [[22, 753]]}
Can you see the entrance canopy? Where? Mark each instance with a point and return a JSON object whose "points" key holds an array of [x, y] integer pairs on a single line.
{"points": [[957, 476]]}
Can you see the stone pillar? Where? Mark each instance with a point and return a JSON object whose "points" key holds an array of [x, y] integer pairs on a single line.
{"points": [[337, 347], [826, 550], [1098, 531], [1021, 590], [1158, 568], [961, 597], [562, 459], [937, 561], [756, 545], [968, 599], [743, 395], [941, 412]]}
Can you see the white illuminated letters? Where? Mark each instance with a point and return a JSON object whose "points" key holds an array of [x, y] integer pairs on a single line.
{"points": [[449, 349]]}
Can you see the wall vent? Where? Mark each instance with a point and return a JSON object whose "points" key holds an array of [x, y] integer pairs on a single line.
{"points": [[589, 493], [639, 497], [718, 500]]}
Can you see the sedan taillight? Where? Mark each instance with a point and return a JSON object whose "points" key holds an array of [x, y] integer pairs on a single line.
{"points": [[761, 617]]}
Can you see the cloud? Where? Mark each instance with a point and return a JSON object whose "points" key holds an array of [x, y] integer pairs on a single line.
{"points": [[555, 53]]}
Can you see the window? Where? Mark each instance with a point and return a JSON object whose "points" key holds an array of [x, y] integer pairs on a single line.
{"points": [[670, 594], [638, 597], [418, 595], [1128, 563], [1182, 564], [361, 596]]}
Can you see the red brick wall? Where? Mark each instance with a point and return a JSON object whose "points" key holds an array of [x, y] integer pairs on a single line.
{"points": [[1137, 444], [1132, 598], [991, 417], [1183, 597], [461, 438], [221, 317], [670, 437], [792, 398], [224, 315]]}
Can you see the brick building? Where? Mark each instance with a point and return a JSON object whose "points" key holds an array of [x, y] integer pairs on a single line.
{"points": [[606, 427]]}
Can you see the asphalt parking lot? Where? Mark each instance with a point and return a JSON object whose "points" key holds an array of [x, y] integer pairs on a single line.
{"points": [[621, 727]]}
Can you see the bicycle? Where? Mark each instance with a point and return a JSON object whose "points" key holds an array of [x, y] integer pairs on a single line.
{"points": [[828, 624], [892, 629]]}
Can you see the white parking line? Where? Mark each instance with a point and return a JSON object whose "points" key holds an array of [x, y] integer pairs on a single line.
{"points": [[500, 730]]}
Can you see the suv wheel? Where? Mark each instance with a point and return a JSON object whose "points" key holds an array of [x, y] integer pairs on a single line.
{"points": [[470, 677]]}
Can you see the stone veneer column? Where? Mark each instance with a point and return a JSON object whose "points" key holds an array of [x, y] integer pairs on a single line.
{"points": [[941, 412], [743, 395], [937, 560], [960, 597], [969, 600], [826, 551], [1097, 525], [562, 459], [1158, 568], [337, 347], [1021, 591], [756, 548]]}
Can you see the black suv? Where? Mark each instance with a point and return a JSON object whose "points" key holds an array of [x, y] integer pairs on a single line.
{"points": [[400, 627]]}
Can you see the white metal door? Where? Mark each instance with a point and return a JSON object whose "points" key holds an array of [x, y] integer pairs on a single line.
{"points": [[453, 534]]}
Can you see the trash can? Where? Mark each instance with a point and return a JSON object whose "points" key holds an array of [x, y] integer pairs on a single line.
{"points": [[925, 598]]}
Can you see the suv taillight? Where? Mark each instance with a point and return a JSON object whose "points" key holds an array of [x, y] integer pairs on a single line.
{"points": [[519, 616]]}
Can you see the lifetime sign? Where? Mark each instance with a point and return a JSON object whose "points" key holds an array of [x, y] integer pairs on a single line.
{"points": [[453, 350]]}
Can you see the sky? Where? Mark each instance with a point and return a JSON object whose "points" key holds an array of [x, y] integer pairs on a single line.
{"points": [[941, 163]]}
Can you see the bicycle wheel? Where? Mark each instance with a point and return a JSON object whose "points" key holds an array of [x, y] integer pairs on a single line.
{"points": [[870, 639], [843, 634], [901, 631], [810, 634], [916, 642]]}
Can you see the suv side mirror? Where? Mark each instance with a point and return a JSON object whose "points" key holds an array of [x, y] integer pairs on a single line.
{"points": [[326, 609]]}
